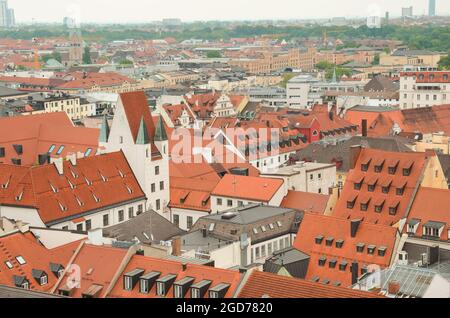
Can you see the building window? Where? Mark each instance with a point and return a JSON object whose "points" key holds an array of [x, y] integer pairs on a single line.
{"points": [[80, 227], [230, 203], [158, 204], [88, 225], [106, 220], [153, 187], [257, 253], [219, 201], [121, 216], [130, 212], [406, 172], [140, 209], [176, 220], [157, 171], [43, 280], [190, 222], [161, 185]]}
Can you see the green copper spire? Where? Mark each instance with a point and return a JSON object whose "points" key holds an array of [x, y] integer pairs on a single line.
{"points": [[334, 79], [104, 130], [142, 137], [160, 134]]}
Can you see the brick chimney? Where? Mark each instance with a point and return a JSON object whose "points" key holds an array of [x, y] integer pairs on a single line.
{"points": [[364, 127], [176, 246]]}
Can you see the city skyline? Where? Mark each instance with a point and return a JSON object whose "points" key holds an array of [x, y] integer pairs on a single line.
{"points": [[201, 10]]}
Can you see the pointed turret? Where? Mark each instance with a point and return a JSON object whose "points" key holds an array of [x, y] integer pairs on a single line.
{"points": [[160, 133], [142, 137], [334, 79], [104, 130]]}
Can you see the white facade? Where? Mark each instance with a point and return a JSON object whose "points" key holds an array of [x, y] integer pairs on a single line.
{"points": [[184, 218], [152, 174], [416, 95], [306, 177], [221, 203]]}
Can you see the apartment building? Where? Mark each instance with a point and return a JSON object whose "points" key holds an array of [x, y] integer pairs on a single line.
{"points": [[424, 89]]}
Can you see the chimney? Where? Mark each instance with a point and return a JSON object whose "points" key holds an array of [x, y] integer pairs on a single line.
{"points": [[59, 164], [393, 287], [184, 267], [354, 224], [354, 270], [355, 151], [331, 115], [364, 127], [176, 246], [204, 232], [242, 270], [95, 236]]}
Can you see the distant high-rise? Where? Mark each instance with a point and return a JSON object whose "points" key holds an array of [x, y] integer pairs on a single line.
{"points": [[407, 12], [374, 22], [432, 8], [7, 18]]}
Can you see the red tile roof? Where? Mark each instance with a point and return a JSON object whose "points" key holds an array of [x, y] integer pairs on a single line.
{"points": [[261, 284], [97, 264], [93, 183], [249, 188], [431, 205], [428, 77], [89, 80], [36, 257], [37, 133], [305, 201], [314, 225], [165, 267], [385, 159], [136, 107], [191, 194]]}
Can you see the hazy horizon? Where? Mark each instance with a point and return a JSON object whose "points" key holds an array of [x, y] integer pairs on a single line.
{"points": [[141, 11]]}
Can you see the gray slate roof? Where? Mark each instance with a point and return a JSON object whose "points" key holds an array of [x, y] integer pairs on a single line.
{"points": [[322, 153], [150, 223]]}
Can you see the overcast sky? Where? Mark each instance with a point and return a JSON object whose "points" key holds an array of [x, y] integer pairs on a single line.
{"points": [[192, 10]]}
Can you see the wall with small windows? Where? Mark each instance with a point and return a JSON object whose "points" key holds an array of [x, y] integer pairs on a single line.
{"points": [[184, 218], [264, 250], [103, 218]]}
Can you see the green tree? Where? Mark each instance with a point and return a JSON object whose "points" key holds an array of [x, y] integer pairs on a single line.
{"points": [[444, 63], [376, 60], [339, 73], [324, 65], [286, 78], [87, 56], [213, 54]]}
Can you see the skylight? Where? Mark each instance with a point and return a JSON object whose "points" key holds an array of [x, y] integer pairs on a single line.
{"points": [[60, 150], [20, 259], [8, 264], [52, 147], [88, 152]]}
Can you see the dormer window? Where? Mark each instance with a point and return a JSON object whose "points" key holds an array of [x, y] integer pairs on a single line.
{"points": [[89, 183], [382, 251], [379, 166], [181, 287], [147, 281], [372, 185], [219, 291], [351, 202], [386, 188], [130, 279], [319, 239], [379, 206], [371, 249], [339, 243], [407, 169], [332, 263], [364, 204], [54, 189], [433, 229], [329, 241], [322, 261], [163, 284], [343, 266], [358, 184], [392, 169], [412, 226], [400, 191], [393, 208], [199, 289], [360, 247]]}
